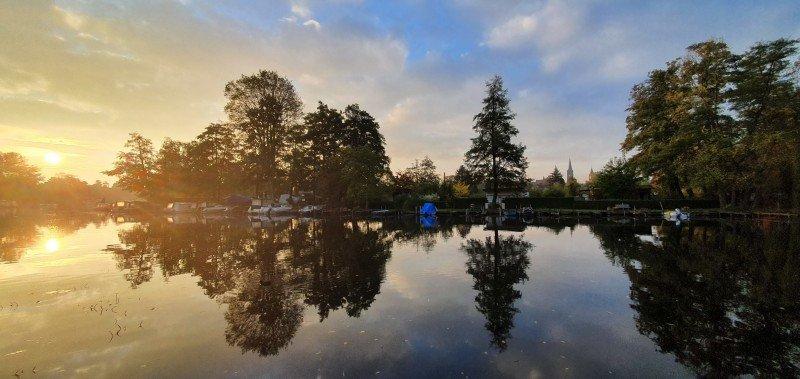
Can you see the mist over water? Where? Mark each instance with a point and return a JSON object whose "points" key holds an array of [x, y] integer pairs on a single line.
{"points": [[191, 296]]}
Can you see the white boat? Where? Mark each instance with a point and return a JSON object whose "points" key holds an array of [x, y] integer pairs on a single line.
{"points": [[181, 207], [258, 209], [310, 209], [676, 216]]}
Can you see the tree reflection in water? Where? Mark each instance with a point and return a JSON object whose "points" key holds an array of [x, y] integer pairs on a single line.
{"points": [[724, 299], [266, 276], [497, 264]]}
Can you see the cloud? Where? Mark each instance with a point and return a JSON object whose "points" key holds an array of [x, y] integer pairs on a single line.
{"points": [[301, 10], [312, 24], [554, 24]]}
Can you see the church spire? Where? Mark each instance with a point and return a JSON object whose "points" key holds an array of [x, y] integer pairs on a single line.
{"points": [[570, 174]]}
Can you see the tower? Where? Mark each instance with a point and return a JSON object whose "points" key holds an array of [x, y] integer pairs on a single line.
{"points": [[570, 174]]}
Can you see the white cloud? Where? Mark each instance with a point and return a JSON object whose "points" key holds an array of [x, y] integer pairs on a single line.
{"points": [[312, 24], [555, 23]]}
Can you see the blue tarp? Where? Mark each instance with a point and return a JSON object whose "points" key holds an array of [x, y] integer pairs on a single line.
{"points": [[428, 209]]}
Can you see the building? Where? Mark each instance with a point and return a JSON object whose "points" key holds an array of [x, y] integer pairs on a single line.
{"points": [[570, 173]]}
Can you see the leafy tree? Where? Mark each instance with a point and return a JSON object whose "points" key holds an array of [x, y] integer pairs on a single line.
{"points": [[460, 189], [719, 124], [18, 179], [215, 160], [493, 155], [264, 108], [471, 179], [363, 174], [571, 187], [135, 167], [172, 178], [617, 180], [419, 179]]}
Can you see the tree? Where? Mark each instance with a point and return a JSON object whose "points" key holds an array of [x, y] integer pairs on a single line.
{"points": [[555, 178], [363, 174], [471, 179], [18, 179], [765, 95], [571, 187], [263, 108], [172, 179], [135, 167], [361, 130], [460, 189], [215, 160], [617, 180], [419, 179], [492, 154]]}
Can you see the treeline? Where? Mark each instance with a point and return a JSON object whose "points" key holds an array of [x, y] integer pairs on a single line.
{"points": [[266, 148], [269, 147], [722, 125], [23, 183]]}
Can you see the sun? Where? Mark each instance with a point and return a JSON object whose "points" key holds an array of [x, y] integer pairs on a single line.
{"points": [[52, 158]]}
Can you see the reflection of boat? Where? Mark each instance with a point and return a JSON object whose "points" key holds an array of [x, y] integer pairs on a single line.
{"points": [[676, 216], [279, 209], [474, 210], [216, 209]]}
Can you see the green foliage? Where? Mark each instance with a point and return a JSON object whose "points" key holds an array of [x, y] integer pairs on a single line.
{"points": [[418, 179], [493, 155], [617, 180], [714, 123], [363, 174], [555, 190], [555, 178]]}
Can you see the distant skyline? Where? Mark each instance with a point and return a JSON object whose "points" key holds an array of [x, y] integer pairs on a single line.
{"points": [[77, 76]]}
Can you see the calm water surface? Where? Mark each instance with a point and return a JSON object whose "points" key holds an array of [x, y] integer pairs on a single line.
{"points": [[188, 297]]}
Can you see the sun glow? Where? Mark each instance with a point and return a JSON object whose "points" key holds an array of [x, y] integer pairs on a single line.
{"points": [[52, 245], [52, 158]]}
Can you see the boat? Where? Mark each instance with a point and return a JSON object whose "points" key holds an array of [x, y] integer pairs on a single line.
{"points": [[381, 213], [676, 216], [527, 212], [179, 207], [310, 209]]}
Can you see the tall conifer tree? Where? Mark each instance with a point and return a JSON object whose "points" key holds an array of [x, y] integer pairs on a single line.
{"points": [[493, 155]]}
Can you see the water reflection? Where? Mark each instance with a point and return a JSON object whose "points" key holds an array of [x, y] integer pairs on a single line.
{"points": [[19, 234], [497, 264], [724, 299], [268, 274]]}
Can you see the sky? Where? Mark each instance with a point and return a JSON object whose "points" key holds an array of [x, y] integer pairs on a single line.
{"points": [[77, 76]]}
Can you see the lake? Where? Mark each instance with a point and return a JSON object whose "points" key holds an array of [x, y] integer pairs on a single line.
{"points": [[406, 297]]}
